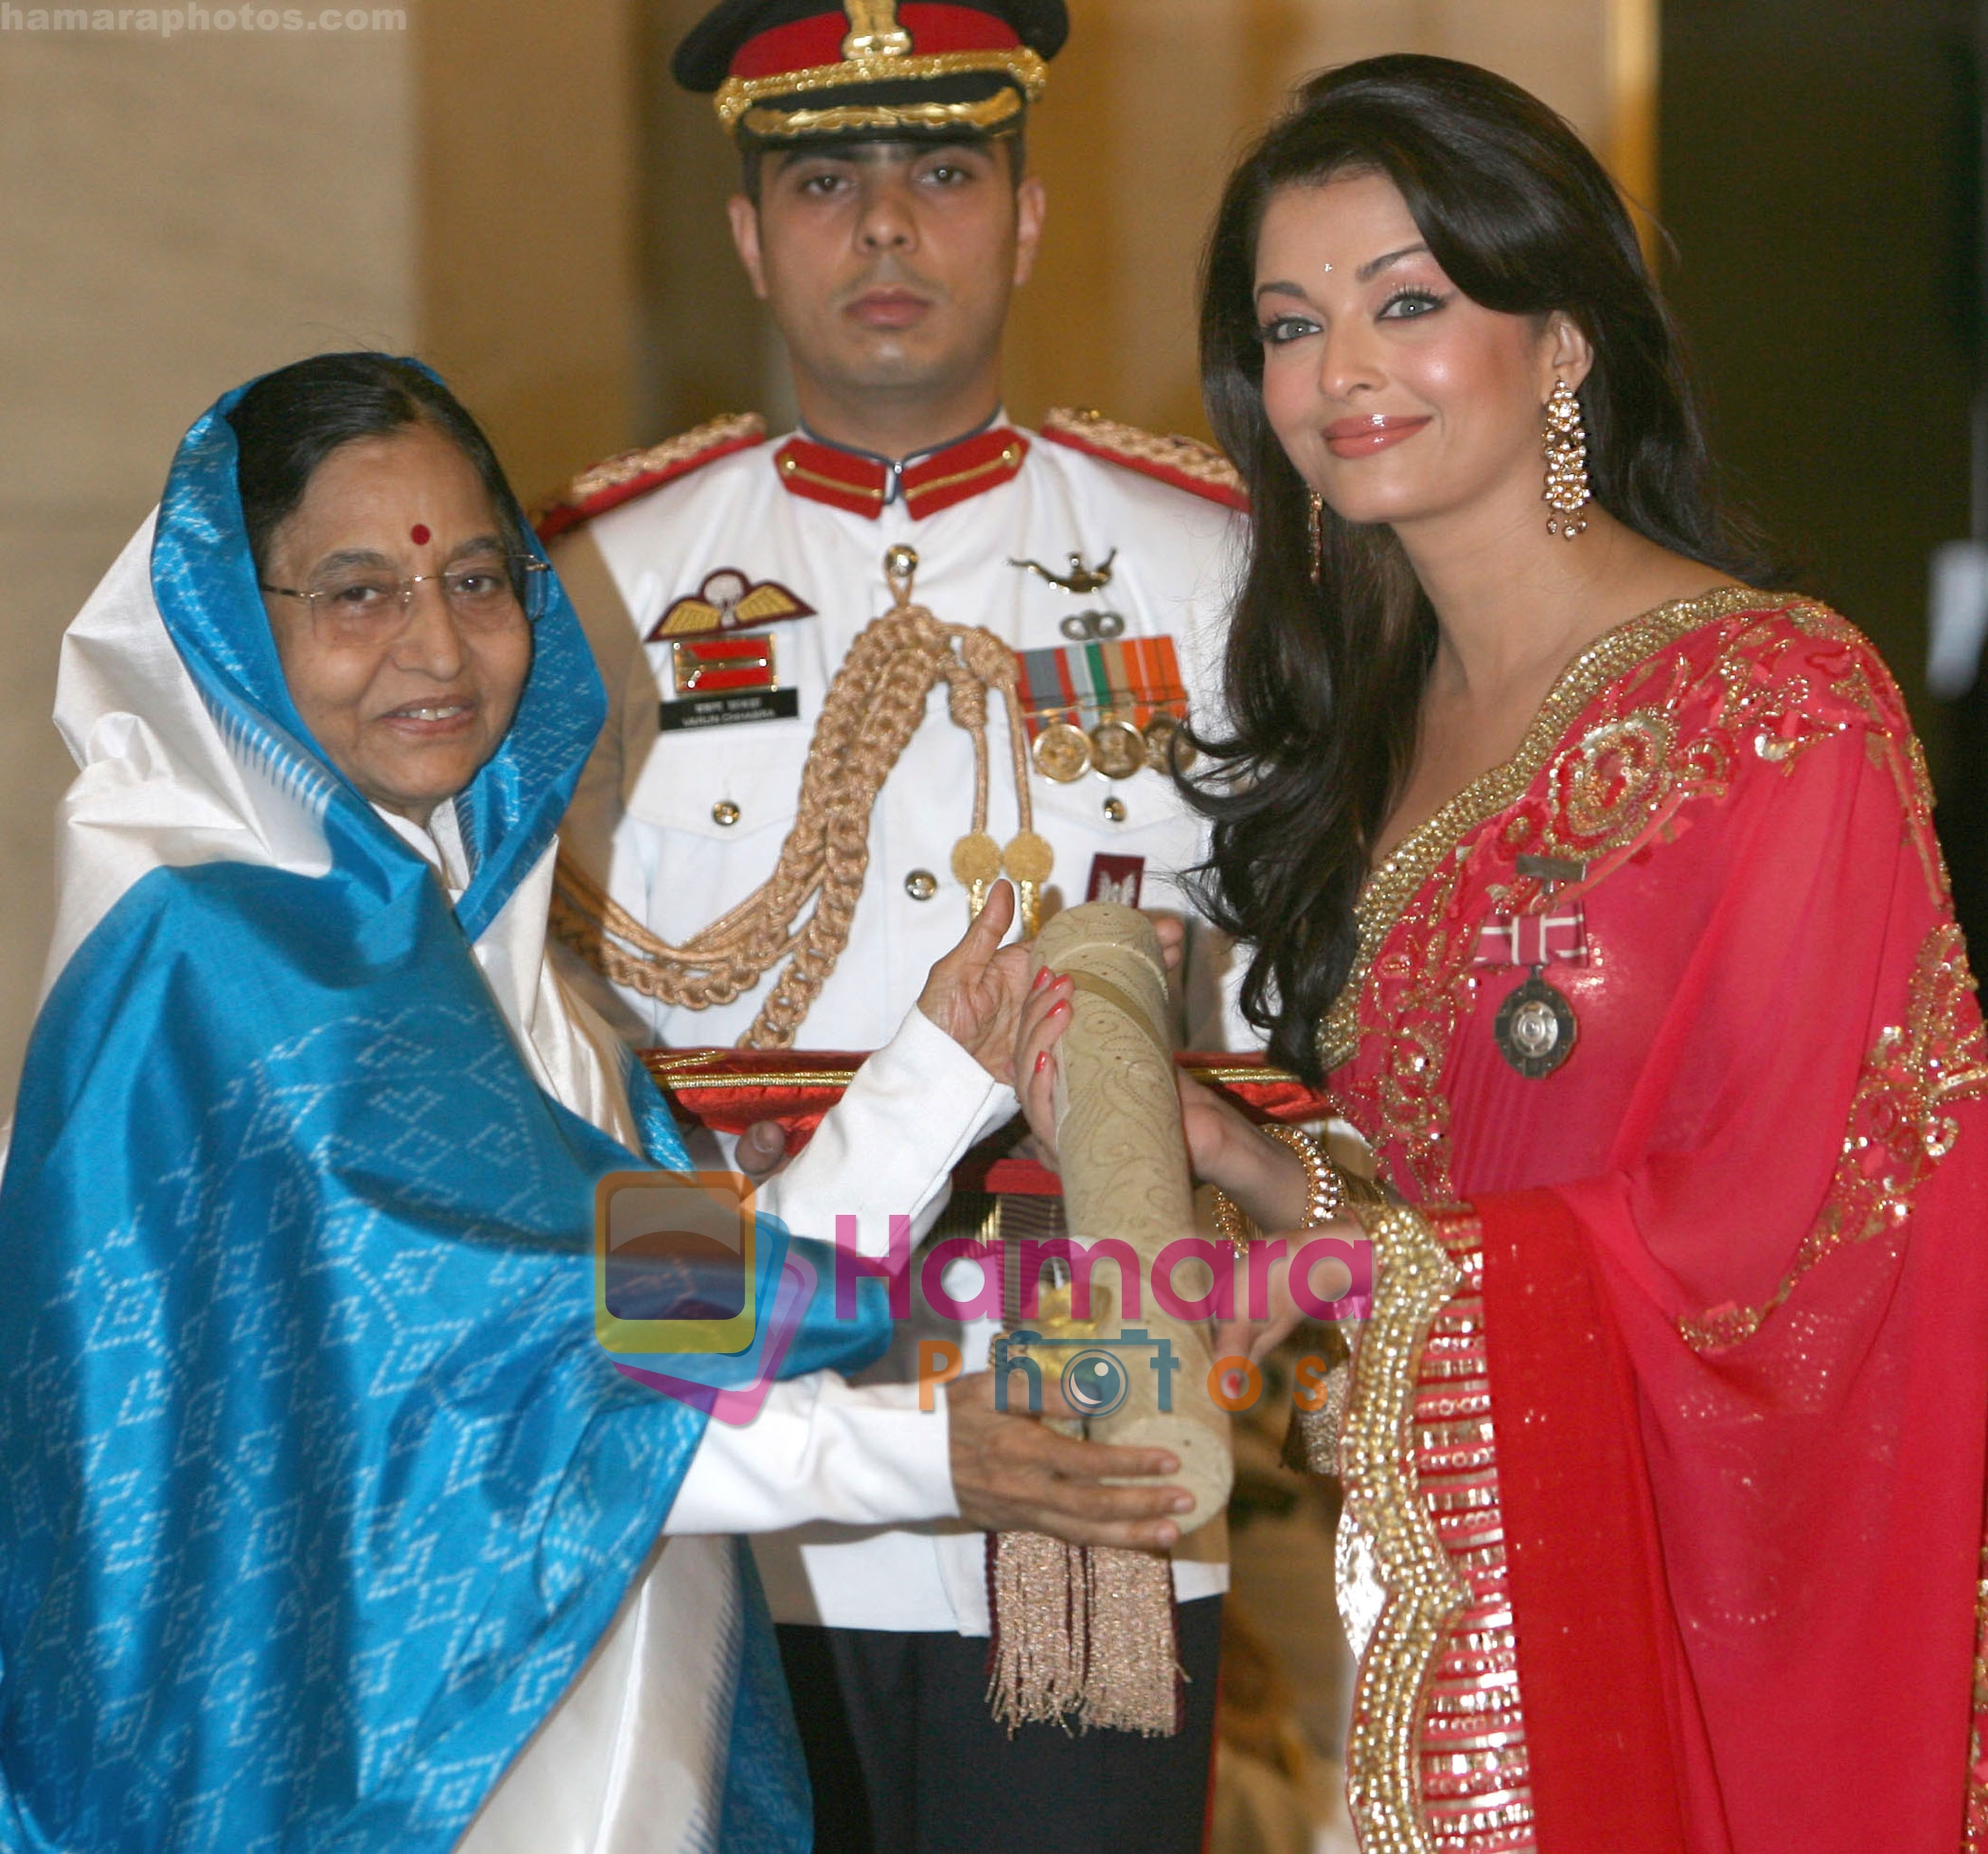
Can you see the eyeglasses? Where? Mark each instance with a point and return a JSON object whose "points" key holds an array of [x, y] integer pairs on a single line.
{"points": [[371, 606]]}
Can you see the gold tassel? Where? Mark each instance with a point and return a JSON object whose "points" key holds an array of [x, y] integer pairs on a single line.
{"points": [[1085, 1634]]}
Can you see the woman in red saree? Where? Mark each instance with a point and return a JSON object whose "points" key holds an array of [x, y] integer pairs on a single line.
{"points": [[1601, 892]]}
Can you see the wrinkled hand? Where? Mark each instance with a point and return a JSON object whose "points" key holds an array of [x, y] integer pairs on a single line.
{"points": [[974, 993], [1012, 1475], [761, 1151]]}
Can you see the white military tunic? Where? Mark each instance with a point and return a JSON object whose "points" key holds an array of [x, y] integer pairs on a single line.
{"points": [[686, 824]]}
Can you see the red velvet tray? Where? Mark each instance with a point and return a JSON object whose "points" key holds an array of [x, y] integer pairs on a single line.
{"points": [[728, 1090]]}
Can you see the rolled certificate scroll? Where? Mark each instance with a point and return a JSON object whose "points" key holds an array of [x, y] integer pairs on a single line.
{"points": [[1089, 1632], [1123, 1160]]}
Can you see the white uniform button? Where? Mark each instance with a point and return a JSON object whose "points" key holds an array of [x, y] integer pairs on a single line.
{"points": [[1115, 810], [921, 884], [724, 814]]}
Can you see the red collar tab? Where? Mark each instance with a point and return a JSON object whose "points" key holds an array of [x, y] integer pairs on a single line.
{"points": [[840, 478], [861, 485], [809, 45], [963, 470]]}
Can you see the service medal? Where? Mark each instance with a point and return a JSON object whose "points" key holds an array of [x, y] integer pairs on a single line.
{"points": [[1536, 1028], [1117, 749], [1167, 746], [1062, 752]]}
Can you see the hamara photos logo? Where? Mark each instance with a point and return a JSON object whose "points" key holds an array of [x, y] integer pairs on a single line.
{"points": [[698, 1295]]}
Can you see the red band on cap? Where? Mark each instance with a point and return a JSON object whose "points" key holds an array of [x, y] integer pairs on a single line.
{"points": [[807, 43]]}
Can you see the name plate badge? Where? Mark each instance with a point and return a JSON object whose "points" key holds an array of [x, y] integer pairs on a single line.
{"points": [[729, 710]]}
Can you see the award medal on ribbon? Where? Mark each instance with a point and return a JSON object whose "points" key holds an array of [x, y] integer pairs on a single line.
{"points": [[1536, 1027], [1113, 706]]}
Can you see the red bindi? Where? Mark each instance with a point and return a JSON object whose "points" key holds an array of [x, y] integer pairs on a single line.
{"points": [[420, 534]]}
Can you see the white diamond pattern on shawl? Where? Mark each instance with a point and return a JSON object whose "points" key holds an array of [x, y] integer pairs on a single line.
{"points": [[320, 1298]]}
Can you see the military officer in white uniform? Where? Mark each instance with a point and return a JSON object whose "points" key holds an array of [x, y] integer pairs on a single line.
{"points": [[885, 217]]}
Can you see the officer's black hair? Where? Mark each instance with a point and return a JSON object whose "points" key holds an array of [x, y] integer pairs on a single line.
{"points": [[753, 155], [291, 420], [1325, 673]]}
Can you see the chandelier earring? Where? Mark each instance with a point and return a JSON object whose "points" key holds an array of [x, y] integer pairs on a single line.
{"points": [[1316, 537], [1565, 441]]}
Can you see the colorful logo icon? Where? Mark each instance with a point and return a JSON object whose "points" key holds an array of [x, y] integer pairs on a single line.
{"points": [[675, 1263], [738, 1407]]}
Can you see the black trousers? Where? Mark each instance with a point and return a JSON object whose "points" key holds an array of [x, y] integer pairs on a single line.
{"points": [[905, 1757]]}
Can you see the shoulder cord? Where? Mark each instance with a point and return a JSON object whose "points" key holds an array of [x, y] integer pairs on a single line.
{"points": [[873, 708]]}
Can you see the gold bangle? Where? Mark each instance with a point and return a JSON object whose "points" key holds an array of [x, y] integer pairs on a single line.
{"points": [[1231, 1224], [1324, 1191]]}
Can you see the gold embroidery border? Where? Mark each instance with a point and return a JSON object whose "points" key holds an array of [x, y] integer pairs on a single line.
{"points": [[1943, 1067], [1389, 889], [1416, 1277], [735, 96]]}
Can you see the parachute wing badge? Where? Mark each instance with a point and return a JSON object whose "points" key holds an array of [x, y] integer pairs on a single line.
{"points": [[730, 601]]}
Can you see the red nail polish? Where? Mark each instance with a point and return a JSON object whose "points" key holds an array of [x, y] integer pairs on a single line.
{"points": [[1041, 1061], [1042, 978]]}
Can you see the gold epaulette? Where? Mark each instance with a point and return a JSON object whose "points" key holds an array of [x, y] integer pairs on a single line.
{"points": [[1184, 462], [621, 478]]}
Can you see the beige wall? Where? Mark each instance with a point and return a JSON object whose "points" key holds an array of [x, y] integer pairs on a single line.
{"points": [[528, 214], [515, 190], [175, 217]]}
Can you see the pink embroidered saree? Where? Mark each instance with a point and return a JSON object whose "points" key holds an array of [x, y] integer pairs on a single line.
{"points": [[1665, 1453]]}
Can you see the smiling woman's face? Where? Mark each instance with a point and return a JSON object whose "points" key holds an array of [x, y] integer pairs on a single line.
{"points": [[410, 716], [1397, 397]]}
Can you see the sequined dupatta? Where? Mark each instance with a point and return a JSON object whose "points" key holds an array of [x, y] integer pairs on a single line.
{"points": [[1667, 1447]]}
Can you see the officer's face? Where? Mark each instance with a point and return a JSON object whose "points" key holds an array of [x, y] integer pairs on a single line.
{"points": [[888, 265], [1399, 397]]}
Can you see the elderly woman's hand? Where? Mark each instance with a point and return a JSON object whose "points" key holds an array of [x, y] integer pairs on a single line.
{"points": [[975, 992]]}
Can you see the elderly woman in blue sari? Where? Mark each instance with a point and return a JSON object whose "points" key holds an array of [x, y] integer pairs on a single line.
{"points": [[327, 1523]]}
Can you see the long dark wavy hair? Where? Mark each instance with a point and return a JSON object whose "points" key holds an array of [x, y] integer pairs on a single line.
{"points": [[1324, 683]]}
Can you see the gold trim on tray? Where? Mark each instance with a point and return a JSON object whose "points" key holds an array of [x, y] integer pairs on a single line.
{"points": [[681, 1075]]}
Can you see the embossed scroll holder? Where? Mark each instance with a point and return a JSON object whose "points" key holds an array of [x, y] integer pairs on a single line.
{"points": [[1088, 1632]]}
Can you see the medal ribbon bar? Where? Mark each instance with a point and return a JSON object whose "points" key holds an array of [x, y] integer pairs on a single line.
{"points": [[1128, 678], [1559, 938]]}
